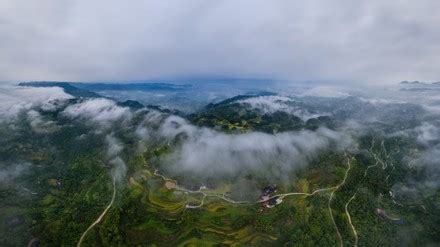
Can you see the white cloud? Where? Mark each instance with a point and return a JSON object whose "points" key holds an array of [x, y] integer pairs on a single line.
{"points": [[271, 104], [14, 100], [98, 111], [325, 91], [114, 149], [426, 133], [268, 103], [379, 101], [208, 153]]}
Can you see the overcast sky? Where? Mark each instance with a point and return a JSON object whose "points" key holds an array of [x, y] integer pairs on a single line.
{"points": [[346, 41]]}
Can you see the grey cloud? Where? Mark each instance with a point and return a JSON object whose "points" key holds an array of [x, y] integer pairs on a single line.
{"points": [[364, 41], [39, 124], [114, 146], [9, 172], [427, 163]]}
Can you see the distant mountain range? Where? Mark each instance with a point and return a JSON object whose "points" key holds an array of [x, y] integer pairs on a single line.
{"points": [[83, 90], [131, 86], [419, 86], [419, 83], [109, 86], [68, 88]]}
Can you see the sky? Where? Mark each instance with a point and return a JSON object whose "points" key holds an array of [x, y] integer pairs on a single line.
{"points": [[364, 42]]}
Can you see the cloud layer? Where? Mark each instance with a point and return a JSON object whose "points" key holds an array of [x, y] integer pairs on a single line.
{"points": [[14, 100], [272, 104], [206, 153], [99, 111], [363, 41], [202, 154]]}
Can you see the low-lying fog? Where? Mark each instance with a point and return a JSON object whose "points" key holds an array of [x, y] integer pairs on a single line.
{"points": [[207, 154]]}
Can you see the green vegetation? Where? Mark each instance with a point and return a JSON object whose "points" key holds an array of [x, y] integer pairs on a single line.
{"points": [[232, 116], [69, 183]]}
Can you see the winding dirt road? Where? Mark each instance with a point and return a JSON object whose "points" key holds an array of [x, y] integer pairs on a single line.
{"points": [[356, 237], [332, 189], [199, 191], [341, 242], [100, 216]]}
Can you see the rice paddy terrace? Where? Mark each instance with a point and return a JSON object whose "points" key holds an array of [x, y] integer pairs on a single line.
{"points": [[324, 206]]}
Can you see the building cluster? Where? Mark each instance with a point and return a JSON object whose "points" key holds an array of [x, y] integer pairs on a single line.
{"points": [[267, 199]]}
